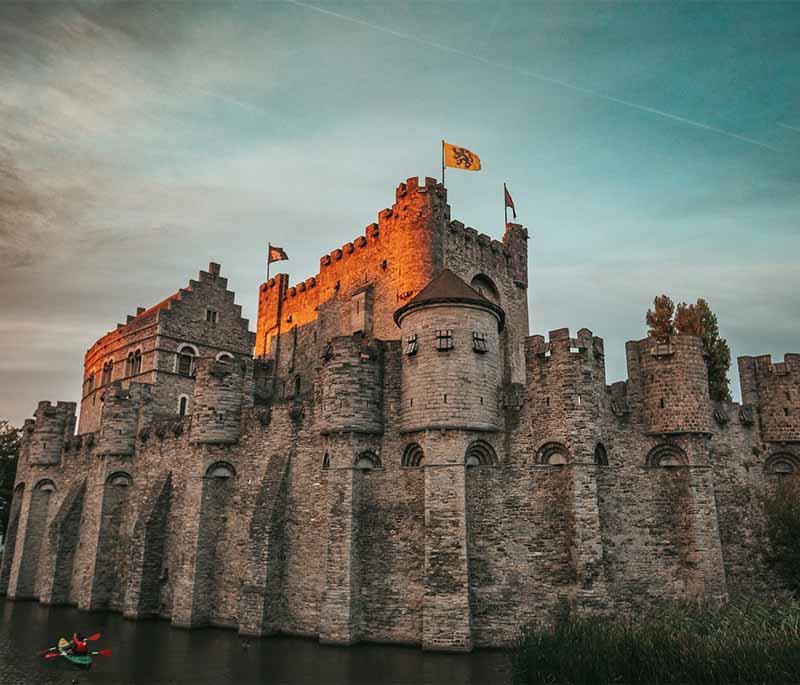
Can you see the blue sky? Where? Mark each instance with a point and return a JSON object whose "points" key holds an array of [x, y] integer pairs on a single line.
{"points": [[650, 147]]}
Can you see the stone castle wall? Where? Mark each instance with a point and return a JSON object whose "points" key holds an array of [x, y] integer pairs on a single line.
{"points": [[302, 495]]}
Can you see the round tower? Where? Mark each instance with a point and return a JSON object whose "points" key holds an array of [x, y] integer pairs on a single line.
{"points": [[352, 386], [566, 384], [450, 357], [218, 395], [119, 421], [672, 380], [51, 427]]}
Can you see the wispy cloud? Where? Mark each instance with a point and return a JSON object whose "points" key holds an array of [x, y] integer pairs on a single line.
{"points": [[536, 76]]}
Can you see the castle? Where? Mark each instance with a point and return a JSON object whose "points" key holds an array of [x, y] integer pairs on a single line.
{"points": [[392, 457]]}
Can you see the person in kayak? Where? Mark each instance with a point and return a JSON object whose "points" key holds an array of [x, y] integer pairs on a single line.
{"points": [[77, 645]]}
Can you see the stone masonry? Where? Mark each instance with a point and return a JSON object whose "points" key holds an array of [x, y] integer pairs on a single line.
{"points": [[392, 457]]}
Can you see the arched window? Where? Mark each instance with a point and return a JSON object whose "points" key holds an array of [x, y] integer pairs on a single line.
{"points": [[129, 364], [220, 469], [486, 287], [20, 487], [297, 385], [45, 484], [782, 464], [667, 455], [413, 455], [367, 460], [553, 454], [183, 405], [90, 383], [108, 372], [480, 453], [224, 357], [120, 479], [187, 355], [137, 362], [600, 455], [326, 461]]}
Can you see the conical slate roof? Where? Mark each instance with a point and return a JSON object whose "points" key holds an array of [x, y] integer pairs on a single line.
{"points": [[448, 288]]}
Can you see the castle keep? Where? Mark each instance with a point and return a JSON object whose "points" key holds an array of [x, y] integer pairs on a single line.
{"points": [[392, 457]]}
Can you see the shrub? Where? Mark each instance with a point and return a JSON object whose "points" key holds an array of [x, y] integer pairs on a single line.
{"points": [[747, 641], [783, 529]]}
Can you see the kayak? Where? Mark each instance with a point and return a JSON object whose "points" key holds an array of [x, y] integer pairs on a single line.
{"points": [[80, 660]]}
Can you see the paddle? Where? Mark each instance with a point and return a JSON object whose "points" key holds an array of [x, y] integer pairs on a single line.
{"points": [[101, 652], [92, 638]]}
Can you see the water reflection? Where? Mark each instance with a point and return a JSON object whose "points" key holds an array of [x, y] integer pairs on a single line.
{"points": [[148, 652]]}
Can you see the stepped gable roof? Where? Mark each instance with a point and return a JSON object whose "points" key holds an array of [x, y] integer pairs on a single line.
{"points": [[448, 288]]}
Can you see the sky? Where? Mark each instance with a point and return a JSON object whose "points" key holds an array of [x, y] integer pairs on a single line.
{"points": [[649, 146]]}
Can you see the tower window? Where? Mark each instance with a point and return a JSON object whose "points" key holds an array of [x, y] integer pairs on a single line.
{"points": [[663, 403], [186, 360], [183, 405], [479, 342], [212, 316], [410, 346], [444, 339]]}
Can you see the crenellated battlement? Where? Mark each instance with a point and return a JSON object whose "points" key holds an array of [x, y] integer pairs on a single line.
{"points": [[560, 342], [774, 389]]}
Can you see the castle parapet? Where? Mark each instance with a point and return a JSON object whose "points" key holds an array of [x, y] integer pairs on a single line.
{"points": [[670, 382], [218, 398], [774, 388], [45, 437], [119, 422]]}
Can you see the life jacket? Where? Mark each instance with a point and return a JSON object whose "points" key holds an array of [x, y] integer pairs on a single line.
{"points": [[80, 646]]}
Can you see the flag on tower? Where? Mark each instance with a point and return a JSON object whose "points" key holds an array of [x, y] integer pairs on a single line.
{"points": [[275, 254], [460, 158], [509, 201]]}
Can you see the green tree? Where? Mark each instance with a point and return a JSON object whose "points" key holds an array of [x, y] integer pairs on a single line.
{"points": [[719, 354], [9, 453]]}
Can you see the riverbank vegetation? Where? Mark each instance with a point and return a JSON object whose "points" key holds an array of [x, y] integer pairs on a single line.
{"points": [[747, 641]]}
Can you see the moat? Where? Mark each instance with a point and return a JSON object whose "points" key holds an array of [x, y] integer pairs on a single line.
{"points": [[153, 652]]}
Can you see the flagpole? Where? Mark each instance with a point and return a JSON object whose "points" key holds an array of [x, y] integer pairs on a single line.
{"points": [[442, 161], [505, 204], [269, 249]]}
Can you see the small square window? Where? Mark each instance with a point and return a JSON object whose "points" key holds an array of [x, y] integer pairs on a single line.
{"points": [[212, 316], [479, 342], [444, 340], [410, 346]]}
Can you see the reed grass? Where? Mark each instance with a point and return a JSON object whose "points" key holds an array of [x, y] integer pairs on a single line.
{"points": [[748, 641]]}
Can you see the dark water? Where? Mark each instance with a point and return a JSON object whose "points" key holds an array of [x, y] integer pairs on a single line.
{"points": [[152, 652]]}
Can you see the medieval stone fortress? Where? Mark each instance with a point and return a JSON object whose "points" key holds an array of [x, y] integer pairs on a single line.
{"points": [[392, 457]]}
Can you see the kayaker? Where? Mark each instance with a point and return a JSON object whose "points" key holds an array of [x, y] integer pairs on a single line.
{"points": [[78, 644]]}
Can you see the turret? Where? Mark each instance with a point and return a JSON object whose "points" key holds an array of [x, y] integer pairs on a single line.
{"points": [[774, 388], [352, 385], [566, 383], [218, 398], [119, 422], [670, 382], [450, 357], [52, 426]]}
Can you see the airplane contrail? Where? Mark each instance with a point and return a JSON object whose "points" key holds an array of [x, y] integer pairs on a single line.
{"points": [[791, 128], [534, 75]]}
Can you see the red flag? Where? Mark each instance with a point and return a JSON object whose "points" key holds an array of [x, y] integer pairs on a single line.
{"points": [[509, 201], [276, 254]]}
